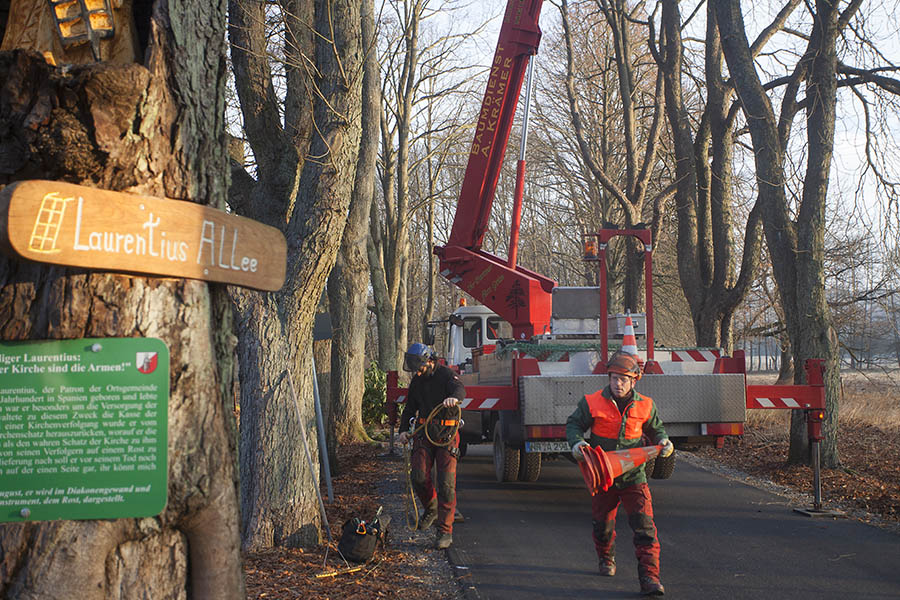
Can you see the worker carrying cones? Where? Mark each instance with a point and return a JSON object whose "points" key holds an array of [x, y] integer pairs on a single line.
{"points": [[615, 419]]}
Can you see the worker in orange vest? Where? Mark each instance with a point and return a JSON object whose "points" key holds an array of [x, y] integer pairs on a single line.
{"points": [[618, 417]]}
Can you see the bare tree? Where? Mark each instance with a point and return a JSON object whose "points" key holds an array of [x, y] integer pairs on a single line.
{"points": [[154, 128], [796, 244], [638, 123], [412, 61], [704, 157], [301, 104], [349, 279]]}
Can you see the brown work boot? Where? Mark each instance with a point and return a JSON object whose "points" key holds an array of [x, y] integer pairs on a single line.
{"points": [[429, 516], [607, 567], [443, 540], [650, 586]]}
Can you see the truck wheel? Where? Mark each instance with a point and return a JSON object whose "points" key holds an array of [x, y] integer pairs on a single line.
{"points": [[463, 448], [649, 466], [529, 466], [663, 468], [506, 459]]}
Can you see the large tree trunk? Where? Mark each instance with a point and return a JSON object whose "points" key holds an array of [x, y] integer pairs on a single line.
{"points": [[796, 248], [817, 338], [349, 280], [382, 252], [704, 190], [305, 182], [155, 130]]}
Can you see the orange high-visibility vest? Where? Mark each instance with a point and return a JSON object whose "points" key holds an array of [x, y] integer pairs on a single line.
{"points": [[608, 421]]}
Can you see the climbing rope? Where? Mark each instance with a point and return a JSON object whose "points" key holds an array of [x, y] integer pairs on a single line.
{"points": [[445, 436]]}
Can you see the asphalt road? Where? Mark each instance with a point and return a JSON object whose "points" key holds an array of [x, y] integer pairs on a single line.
{"points": [[720, 539]]}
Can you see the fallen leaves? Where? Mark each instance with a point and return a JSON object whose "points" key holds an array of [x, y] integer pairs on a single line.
{"points": [[289, 574]]}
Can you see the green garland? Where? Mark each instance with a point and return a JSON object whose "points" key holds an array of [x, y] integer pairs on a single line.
{"points": [[554, 351], [548, 352]]}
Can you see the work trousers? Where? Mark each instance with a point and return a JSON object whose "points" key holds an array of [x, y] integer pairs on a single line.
{"points": [[635, 499], [424, 455]]}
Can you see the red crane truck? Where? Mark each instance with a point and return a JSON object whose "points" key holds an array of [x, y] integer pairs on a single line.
{"points": [[522, 385]]}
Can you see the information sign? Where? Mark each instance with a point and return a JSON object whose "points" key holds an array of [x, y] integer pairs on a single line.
{"points": [[79, 226], [83, 428]]}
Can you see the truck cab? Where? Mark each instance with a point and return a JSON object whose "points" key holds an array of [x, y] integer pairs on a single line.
{"points": [[473, 327]]}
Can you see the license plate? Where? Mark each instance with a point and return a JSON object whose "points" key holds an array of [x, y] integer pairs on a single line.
{"points": [[546, 447]]}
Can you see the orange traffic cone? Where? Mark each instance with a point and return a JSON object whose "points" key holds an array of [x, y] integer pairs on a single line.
{"points": [[599, 468], [629, 343]]}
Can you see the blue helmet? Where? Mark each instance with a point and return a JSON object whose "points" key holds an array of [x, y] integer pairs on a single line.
{"points": [[416, 356]]}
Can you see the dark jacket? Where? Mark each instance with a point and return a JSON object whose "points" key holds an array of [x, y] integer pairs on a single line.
{"points": [[611, 429], [427, 391]]}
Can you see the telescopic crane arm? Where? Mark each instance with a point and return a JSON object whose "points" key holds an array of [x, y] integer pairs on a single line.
{"points": [[520, 296]]}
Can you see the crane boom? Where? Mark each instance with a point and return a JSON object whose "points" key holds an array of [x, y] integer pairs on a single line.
{"points": [[518, 41], [520, 296]]}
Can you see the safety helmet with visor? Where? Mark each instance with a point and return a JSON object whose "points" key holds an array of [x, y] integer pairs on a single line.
{"points": [[415, 357], [624, 364]]}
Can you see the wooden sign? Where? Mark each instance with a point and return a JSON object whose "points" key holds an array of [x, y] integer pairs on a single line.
{"points": [[78, 226]]}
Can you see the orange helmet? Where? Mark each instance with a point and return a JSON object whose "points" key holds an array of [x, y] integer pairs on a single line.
{"points": [[624, 364]]}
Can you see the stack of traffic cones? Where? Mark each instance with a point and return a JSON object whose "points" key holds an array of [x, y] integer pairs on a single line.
{"points": [[600, 468]]}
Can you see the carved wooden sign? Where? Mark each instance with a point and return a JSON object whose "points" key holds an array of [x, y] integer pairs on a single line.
{"points": [[78, 226]]}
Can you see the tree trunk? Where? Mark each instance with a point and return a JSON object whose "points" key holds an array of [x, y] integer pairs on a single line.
{"points": [[308, 198], [796, 248], [383, 308], [817, 338], [154, 130], [349, 280], [705, 246]]}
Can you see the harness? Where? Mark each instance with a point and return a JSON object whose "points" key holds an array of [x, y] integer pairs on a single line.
{"points": [[439, 431]]}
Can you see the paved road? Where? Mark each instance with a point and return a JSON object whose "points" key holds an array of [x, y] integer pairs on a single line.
{"points": [[720, 539]]}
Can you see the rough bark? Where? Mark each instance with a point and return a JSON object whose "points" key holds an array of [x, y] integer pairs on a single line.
{"points": [[303, 186], [156, 129], [703, 197], [349, 280], [797, 247]]}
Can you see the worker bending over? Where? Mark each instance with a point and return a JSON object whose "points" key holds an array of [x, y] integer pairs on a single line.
{"points": [[617, 417], [433, 385]]}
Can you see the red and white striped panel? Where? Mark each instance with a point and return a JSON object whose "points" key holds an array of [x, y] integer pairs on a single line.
{"points": [[773, 403], [786, 396], [490, 397], [479, 403], [694, 355]]}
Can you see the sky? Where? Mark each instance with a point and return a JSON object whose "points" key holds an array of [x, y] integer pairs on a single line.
{"points": [[881, 25]]}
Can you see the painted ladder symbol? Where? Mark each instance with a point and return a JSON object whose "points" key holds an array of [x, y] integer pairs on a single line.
{"points": [[46, 226]]}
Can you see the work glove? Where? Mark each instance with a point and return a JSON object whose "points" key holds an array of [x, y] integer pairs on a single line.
{"points": [[667, 447], [450, 402], [577, 449], [402, 437]]}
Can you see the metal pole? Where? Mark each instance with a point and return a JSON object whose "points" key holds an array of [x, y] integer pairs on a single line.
{"points": [[309, 460], [320, 422], [817, 479], [520, 176]]}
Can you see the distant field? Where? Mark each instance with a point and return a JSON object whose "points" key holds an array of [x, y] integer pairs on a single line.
{"points": [[869, 398]]}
